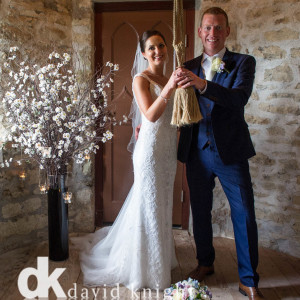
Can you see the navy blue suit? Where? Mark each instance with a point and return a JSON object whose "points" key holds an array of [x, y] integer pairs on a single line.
{"points": [[219, 146]]}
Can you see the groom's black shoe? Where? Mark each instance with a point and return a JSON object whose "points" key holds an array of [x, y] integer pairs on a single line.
{"points": [[201, 271]]}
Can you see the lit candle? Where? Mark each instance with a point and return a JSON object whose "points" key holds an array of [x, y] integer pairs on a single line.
{"points": [[67, 197], [43, 188], [87, 157], [22, 175]]}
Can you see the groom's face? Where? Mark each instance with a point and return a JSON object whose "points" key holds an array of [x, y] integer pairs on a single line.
{"points": [[213, 32]]}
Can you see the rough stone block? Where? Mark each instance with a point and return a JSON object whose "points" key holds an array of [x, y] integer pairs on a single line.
{"points": [[296, 16], [281, 95], [295, 52], [270, 52], [280, 109], [281, 35], [254, 131], [31, 205], [262, 159], [22, 226], [283, 20], [84, 196], [276, 130], [256, 120], [282, 73], [11, 210], [296, 199]]}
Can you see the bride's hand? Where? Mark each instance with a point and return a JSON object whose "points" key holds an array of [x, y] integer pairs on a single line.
{"points": [[188, 78], [173, 80]]}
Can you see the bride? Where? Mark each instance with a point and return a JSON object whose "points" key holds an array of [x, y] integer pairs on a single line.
{"points": [[138, 251]]}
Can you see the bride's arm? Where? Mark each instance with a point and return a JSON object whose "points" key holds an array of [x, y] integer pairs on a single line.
{"points": [[153, 108]]}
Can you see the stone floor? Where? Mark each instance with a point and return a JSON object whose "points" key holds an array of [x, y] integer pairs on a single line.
{"points": [[280, 273]]}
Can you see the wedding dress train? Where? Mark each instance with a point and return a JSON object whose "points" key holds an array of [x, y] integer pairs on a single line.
{"points": [[137, 250]]}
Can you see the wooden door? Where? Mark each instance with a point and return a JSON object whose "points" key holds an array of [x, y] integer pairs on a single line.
{"points": [[119, 35]]}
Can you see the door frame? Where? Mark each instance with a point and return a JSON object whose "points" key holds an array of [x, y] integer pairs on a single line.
{"points": [[99, 8]]}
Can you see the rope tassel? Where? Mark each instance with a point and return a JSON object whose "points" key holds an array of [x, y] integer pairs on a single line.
{"points": [[186, 108]]}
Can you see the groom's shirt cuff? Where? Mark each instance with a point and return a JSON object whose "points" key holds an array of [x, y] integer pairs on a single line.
{"points": [[204, 90]]}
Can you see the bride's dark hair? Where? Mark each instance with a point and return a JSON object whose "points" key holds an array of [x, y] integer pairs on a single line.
{"points": [[146, 35]]}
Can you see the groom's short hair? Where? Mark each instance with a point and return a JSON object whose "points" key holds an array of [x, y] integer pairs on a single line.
{"points": [[215, 11]]}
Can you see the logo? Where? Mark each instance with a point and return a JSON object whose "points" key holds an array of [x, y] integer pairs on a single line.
{"points": [[44, 281]]}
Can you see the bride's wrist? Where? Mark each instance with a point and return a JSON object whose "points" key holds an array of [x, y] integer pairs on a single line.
{"points": [[167, 91], [164, 98]]}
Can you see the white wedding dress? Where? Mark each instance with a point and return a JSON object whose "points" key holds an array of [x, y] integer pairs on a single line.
{"points": [[137, 250]]}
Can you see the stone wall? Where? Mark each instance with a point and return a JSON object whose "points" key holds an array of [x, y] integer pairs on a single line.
{"points": [[268, 30], [42, 26]]}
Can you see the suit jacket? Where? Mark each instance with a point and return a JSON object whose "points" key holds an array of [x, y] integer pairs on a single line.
{"points": [[228, 93]]}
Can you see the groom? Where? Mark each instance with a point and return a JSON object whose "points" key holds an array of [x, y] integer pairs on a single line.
{"points": [[219, 146]]}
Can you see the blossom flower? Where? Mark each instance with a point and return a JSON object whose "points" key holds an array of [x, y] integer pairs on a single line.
{"points": [[108, 135], [67, 56], [63, 115], [66, 135], [69, 107], [45, 105], [79, 139], [13, 49]]}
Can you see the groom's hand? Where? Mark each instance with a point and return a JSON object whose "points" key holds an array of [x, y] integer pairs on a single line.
{"points": [[188, 78]]}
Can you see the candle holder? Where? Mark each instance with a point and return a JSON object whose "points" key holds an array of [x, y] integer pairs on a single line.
{"points": [[22, 175], [67, 197], [43, 188]]}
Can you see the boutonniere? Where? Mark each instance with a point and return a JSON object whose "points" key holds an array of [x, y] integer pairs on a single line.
{"points": [[218, 65]]}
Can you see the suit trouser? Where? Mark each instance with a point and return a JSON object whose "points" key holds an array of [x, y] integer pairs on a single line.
{"points": [[202, 168]]}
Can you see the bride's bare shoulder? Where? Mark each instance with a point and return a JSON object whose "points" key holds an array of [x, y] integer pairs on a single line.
{"points": [[141, 80]]}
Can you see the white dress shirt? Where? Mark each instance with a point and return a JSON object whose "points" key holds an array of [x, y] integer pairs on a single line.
{"points": [[206, 64]]}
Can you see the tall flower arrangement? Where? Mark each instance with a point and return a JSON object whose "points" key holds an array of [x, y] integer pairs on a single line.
{"points": [[55, 117]]}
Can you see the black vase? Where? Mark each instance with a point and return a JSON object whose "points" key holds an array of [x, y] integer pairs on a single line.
{"points": [[57, 219]]}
